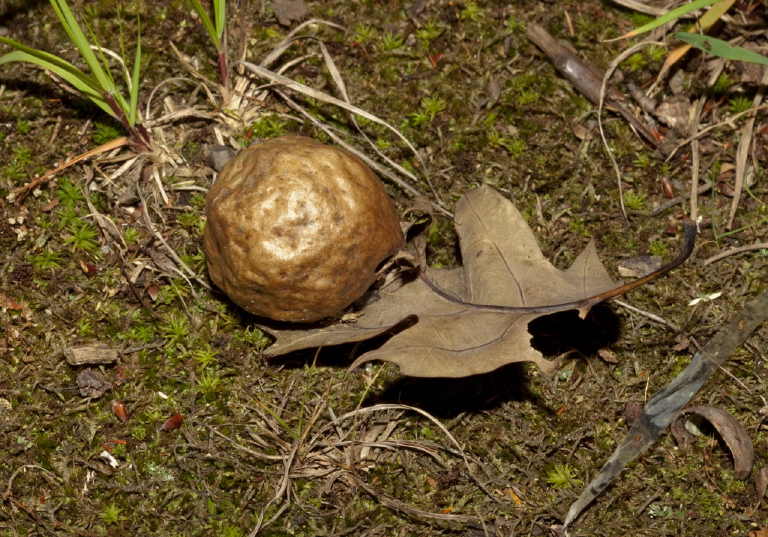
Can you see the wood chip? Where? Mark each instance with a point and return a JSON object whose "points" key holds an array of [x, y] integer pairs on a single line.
{"points": [[90, 354]]}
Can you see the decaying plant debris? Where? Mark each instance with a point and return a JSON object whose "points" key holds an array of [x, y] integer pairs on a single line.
{"points": [[194, 431]]}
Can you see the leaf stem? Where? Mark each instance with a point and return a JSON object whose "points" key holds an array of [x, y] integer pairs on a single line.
{"points": [[584, 303]]}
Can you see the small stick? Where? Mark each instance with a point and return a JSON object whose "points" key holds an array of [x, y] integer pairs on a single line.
{"points": [[587, 79]]}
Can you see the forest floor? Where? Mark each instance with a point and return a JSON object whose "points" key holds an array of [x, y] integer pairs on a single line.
{"points": [[90, 259]]}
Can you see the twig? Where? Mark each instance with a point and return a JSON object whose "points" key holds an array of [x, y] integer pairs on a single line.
{"points": [[664, 406], [19, 193], [648, 314], [737, 250]]}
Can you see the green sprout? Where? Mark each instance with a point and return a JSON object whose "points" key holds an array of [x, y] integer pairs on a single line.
{"points": [[415, 119], [739, 104], [111, 514], [188, 219], [514, 146], [390, 41], [513, 25], [69, 194], [23, 126], [83, 236], [252, 336], [84, 328], [15, 171], [231, 531], [634, 201], [635, 62], [175, 329], [471, 11], [23, 155], [44, 222], [433, 106], [563, 476], [656, 53], [209, 383], [99, 86], [46, 260], [131, 235], [104, 133], [269, 126], [429, 31], [642, 160], [723, 82], [215, 29], [658, 247], [204, 356], [67, 216], [365, 33]]}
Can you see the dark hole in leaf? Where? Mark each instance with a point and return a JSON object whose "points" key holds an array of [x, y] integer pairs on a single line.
{"points": [[564, 331]]}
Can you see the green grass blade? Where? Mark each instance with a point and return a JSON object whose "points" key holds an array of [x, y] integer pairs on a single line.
{"points": [[721, 48], [78, 79], [133, 106], [209, 27], [219, 15], [77, 37], [672, 15]]}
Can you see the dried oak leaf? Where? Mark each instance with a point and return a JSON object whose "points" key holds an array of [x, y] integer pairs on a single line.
{"points": [[730, 430], [435, 337]]}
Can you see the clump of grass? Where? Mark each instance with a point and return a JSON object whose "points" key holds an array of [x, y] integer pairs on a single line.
{"points": [[216, 29], [99, 86]]}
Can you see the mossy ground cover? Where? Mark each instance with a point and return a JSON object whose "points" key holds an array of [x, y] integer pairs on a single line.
{"points": [[482, 105]]}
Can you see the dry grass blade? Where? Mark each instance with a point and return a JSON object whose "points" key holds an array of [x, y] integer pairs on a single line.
{"points": [[22, 191], [430, 417], [362, 156], [743, 151], [603, 92], [281, 47], [170, 251], [712, 127], [339, 81], [641, 7], [315, 94], [394, 503]]}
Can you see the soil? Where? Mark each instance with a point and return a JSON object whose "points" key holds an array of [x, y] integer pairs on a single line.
{"points": [[95, 256]]}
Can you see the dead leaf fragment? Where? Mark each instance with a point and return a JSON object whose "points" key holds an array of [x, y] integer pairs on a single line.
{"points": [[761, 484], [92, 383], [435, 337], [730, 430], [287, 11]]}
